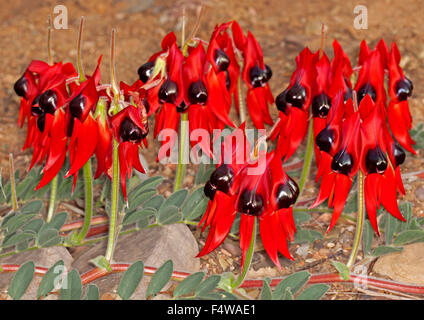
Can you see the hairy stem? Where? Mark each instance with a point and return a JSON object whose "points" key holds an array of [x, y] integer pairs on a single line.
{"points": [[52, 201], [13, 183], [115, 166], [359, 222], [88, 182], [181, 168], [79, 59], [242, 108]]}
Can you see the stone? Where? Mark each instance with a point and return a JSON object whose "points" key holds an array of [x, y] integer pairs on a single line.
{"points": [[303, 250], [45, 257], [153, 246], [419, 193], [405, 266]]}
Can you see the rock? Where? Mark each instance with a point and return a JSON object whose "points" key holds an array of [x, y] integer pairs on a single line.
{"points": [[232, 247], [152, 246], [303, 250], [45, 257], [419, 193], [405, 266]]}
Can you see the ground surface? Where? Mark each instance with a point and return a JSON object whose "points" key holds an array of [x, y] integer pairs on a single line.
{"points": [[282, 27]]}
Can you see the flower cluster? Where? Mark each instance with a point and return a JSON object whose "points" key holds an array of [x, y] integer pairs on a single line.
{"points": [[202, 82], [255, 187], [68, 113], [351, 138]]}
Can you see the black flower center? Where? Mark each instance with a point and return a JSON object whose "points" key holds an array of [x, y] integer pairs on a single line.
{"points": [[399, 154], [250, 203], [342, 162], [366, 89], [35, 108], [168, 92], [325, 139], [404, 89], [129, 131], [48, 101], [21, 86], [77, 105], [281, 102], [259, 77], [287, 194], [376, 161], [145, 71], [222, 60], [321, 104], [197, 93], [296, 95], [41, 122]]}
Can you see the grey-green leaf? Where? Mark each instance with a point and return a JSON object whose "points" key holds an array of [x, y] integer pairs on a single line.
{"points": [[176, 199], [342, 269], [189, 284], [33, 226], [195, 205], [130, 280], [48, 237], [52, 277], [32, 207], [294, 281], [155, 202], [136, 215], [168, 215], [92, 292], [21, 280], [266, 293], [288, 295], [140, 198], [208, 285], [313, 292], [409, 236], [382, 250], [71, 286], [58, 220], [160, 278], [17, 238], [305, 236]]}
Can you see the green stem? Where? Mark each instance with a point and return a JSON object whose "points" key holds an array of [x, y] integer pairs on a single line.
{"points": [[52, 202], [88, 182], [13, 183], [114, 205], [359, 222], [247, 260], [242, 109], [181, 168], [308, 158], [115, 166]]}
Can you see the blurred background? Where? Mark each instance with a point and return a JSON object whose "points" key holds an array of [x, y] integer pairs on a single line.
{"points": [[282, 27]]}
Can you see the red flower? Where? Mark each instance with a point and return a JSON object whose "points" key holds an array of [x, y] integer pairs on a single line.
{"points": [[81, 123], [129, 129], [258, 189], [256, 75], [371, 75], [340, 163], [380, 184], [398, 114], [293, 104]]}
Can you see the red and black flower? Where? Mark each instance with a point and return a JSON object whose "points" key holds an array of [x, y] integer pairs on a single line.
{"points": [[258, 189]]}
